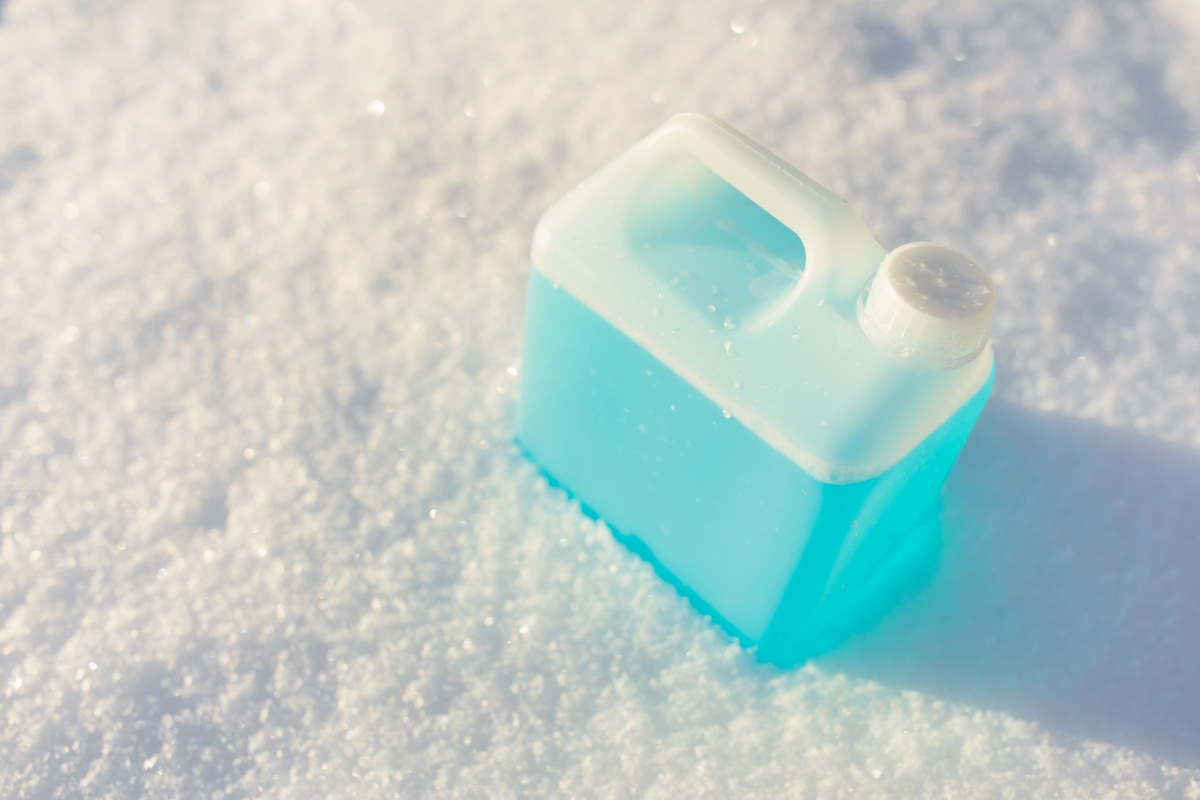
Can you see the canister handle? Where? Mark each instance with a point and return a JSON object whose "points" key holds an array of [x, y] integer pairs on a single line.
{"points": [[840, 252]]}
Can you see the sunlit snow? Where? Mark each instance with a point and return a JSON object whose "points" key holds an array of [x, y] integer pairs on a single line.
{"points": [[262, 528]]}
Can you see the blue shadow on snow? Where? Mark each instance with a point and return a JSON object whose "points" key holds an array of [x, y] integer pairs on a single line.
{"points": [[1069, 591]]}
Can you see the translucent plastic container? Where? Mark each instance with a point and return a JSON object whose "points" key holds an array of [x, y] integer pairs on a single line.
{"points": [[723, 364]]}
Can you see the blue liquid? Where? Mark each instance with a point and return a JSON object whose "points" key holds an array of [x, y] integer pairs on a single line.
{"points": [[783, 562]]}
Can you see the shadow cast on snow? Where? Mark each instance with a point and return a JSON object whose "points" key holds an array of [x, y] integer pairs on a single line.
{"points": [[1069, 591]]}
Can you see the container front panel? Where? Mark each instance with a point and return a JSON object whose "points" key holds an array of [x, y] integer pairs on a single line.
{"points": [[721, 510]]}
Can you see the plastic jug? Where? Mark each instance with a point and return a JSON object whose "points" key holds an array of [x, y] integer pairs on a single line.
{"points": [[722, 363]]}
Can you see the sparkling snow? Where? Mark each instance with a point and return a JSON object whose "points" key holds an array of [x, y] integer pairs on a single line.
{"points": [[262, 531]]}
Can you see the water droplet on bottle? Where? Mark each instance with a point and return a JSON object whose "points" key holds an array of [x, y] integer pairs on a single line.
{"points": [[725, 412]]}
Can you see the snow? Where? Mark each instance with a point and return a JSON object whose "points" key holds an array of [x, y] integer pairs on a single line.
{"points": [[262, 530]]}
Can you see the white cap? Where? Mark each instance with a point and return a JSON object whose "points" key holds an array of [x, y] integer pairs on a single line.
{"points": [[928, 306]]}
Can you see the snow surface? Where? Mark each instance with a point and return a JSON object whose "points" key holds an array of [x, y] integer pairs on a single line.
{"points": [[263, 530]]}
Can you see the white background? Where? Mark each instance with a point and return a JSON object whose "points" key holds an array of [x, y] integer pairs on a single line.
{"points": [[263, 530]]}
